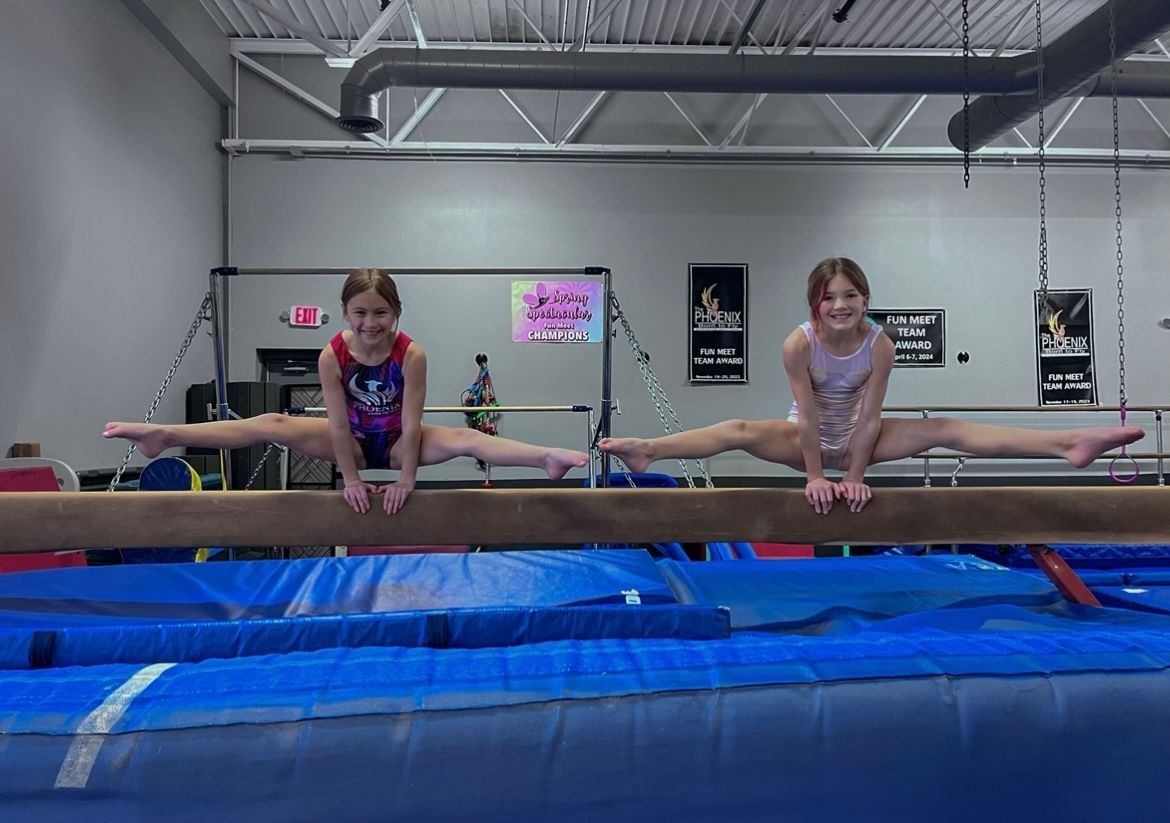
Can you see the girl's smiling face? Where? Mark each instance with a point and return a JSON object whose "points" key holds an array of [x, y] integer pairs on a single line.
{"points": [[370, 318], [842, 307]]}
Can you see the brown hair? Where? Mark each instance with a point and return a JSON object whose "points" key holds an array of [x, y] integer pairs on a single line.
{"points": [[824, 271], [363, 280]]}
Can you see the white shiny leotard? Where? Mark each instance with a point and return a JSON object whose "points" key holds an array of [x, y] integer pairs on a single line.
{"points": [[838, 385]]}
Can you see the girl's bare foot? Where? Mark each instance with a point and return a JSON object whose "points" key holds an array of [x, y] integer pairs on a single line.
{"points": [[635, 452], [559, 461], [1087, 445], [150, 438]]}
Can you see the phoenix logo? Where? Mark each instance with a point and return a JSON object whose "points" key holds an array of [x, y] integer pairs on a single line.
{"points": [[710, 303], [1057, 328], [374, 394]]}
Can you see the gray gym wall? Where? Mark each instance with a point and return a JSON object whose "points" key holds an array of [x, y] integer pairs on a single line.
{"points": [[113, 208], [112, 216], [924, 241]]}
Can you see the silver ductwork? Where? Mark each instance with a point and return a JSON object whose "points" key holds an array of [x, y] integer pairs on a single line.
{"points": [[727, 73], [1077, 63], [1071, 61]]}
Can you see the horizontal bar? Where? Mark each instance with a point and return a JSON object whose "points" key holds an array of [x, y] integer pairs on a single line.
{"points": [[49, 521], [478, 409], [951, 455], [897, 409], [461, 409], [949, 409], [1150, 159], [527, 271]]}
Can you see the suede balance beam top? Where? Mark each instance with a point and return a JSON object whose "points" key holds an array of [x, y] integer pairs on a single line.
{"points": [[46, 521]]}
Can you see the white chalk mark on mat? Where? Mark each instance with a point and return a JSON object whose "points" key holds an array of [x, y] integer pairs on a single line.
{"points": [[91, 732]]}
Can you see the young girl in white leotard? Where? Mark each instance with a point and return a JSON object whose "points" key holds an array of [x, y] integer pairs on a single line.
{"points": [[838, 365]]}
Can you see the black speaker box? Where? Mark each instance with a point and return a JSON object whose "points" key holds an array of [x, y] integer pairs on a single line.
{"points": [[247, 399]]}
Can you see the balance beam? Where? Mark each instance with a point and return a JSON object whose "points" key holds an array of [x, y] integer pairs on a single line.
{"points": [[48, 521]]}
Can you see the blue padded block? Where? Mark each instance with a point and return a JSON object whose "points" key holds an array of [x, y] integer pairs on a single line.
{"points": [[455, 628], [1147, 577], [1142, 598], [1079, 556], [825, 593], [117, 595]]}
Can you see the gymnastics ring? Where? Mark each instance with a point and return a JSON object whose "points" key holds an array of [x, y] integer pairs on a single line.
{"points": [[1114, 474]]}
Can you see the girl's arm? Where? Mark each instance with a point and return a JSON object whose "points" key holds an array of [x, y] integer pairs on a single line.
{"points": [[869, 425], [356, 490], [818, 489], [414, 368]]}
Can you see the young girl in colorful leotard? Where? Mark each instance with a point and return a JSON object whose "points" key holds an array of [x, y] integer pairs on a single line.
{"points": [[374, 380]]}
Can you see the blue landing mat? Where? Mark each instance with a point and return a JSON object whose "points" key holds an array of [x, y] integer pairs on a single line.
{"points": [[913, 690], [1078, 555], [837, 594], [451, 629], [118, 595], [1013, 726]]}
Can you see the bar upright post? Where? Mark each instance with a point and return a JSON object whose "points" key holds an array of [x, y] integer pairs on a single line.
{"points": [[606, 369], [221, 402]]}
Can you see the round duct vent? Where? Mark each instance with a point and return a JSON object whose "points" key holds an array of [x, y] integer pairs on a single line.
{"points": [[360, 124]]}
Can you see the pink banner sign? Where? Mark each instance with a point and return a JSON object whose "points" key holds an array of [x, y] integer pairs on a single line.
{"points": [[556, 311]]}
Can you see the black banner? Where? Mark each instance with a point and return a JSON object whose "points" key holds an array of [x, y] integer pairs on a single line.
{"points": [[719, 323], [919, 335], [1065, 372]]}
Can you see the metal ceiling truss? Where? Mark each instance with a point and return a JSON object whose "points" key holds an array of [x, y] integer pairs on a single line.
{"points": [[731, 143], [880, 24]]}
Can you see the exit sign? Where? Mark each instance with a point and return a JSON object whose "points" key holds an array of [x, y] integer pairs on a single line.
{"points": [[305, 316]]}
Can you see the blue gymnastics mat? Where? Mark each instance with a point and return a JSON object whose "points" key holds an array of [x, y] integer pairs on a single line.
{"points": [[117, 595], [576, 686]]}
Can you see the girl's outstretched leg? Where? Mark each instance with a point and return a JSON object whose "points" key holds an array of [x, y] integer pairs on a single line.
{"points": [[1080, 447], [306, 435], [772, 440], [442, 443]]}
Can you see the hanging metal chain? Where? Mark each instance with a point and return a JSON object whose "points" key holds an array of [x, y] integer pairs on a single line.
{"points": [[1043, 195], [200, 316], [259, 466], [966, 100], [1123, 468], [1117, 210], [629, 474], [657, 394]]}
